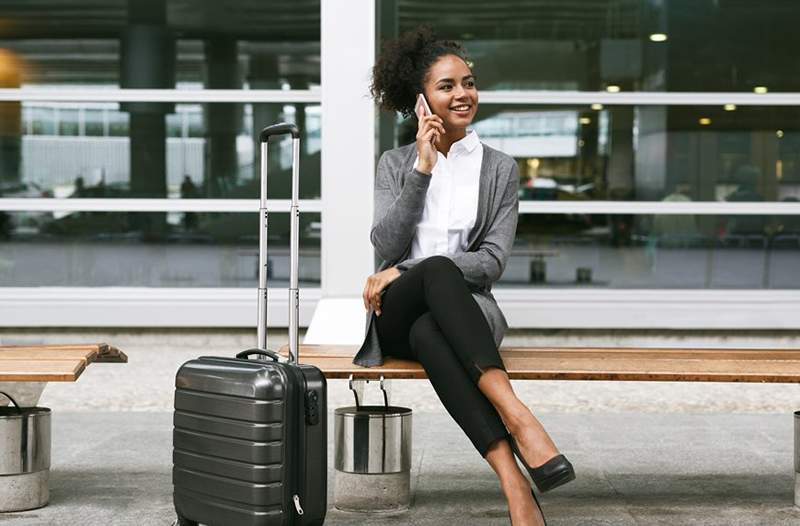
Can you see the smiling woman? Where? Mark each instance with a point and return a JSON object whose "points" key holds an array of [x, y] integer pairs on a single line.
{"points": [[445, 218]]}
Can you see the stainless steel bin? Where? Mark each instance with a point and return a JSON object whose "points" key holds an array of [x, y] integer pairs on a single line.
{"points": [[797, 458], [24, 457], [372, 457]]}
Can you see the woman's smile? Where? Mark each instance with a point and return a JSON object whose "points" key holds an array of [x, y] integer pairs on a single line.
{"points": [[452, 94]]}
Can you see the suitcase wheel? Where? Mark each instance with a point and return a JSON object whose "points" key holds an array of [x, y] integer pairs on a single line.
{"points": [[183, 521]]}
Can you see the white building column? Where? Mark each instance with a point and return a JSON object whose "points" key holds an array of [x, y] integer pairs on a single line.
{"points": [[347, 43]]}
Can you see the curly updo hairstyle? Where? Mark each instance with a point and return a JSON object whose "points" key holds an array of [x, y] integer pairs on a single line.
{"points": [[399, 72]]}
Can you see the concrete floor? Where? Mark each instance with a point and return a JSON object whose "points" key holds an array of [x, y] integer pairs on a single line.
{"points": [[633, 469]]}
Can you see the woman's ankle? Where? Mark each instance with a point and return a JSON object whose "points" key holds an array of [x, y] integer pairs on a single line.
{"points": [[515, 484], [519, 419]]}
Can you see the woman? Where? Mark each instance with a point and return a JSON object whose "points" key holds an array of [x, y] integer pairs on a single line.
{"points": [[445, 220]]}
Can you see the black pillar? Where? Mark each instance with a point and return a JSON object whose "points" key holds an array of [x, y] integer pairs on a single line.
{"points": [[223, 119], [147, 60]]}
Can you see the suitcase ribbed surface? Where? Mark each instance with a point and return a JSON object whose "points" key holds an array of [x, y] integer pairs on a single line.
{"points": [[229, 437]]}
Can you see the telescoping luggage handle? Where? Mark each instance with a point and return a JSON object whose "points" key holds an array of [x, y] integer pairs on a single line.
{"points": [[277, 130]]}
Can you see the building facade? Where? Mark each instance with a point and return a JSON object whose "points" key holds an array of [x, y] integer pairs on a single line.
{"points": [[657, 142]]}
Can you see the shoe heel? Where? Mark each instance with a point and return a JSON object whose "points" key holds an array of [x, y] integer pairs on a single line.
{"points": [[554, 481]]}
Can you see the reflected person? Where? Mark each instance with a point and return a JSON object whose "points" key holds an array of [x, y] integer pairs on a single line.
{"points": [[445, 219], [746, 177], [189, 191]]}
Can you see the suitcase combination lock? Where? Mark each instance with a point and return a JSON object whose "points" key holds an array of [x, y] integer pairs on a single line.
{"points": [[312, 408]]}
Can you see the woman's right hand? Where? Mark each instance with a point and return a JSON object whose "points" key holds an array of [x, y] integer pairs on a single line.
{"points": [[429, 130]]}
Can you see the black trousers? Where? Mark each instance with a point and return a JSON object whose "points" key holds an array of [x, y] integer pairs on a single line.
{"points": [[429, 315]]}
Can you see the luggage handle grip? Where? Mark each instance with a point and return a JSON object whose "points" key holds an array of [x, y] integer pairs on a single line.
{"points": [[261, 352], [280, 129]]}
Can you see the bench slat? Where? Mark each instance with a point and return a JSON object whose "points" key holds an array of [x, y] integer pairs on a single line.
{"points": [[633, 364], [45, 354], [52, 363], [41, 370], [99, 352]]}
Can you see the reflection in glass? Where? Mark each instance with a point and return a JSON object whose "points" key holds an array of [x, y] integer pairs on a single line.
{"points": [[661, 251], [645, 153], [637, 45], [102, 249], [236, 44], [197, 150]]}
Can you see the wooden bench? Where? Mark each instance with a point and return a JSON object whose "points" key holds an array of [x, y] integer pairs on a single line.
{"points": [[567, 363], [26, 369], [53, 363], [24, 373]]}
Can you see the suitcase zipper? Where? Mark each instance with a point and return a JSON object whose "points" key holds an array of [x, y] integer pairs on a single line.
{"points": [[300, 450]]}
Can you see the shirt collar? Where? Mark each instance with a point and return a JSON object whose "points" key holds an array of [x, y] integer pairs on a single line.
{"points": [[468, 143]]}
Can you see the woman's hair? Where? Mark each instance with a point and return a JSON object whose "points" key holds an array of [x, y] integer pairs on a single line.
{"points": [[399, 72]]}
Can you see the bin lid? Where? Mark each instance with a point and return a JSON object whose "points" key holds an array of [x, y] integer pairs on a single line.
{"points": [[12, 412], [372, 411]]}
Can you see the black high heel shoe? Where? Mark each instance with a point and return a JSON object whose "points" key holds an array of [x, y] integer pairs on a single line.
{"points": [[555, 472], [537, 505]]}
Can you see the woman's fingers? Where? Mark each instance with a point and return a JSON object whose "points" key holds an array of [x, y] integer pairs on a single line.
{"points": [[376, 296], [365, 295], [432, 121]]}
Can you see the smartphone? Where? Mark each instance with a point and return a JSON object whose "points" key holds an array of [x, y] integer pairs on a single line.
{"points": [[421, 108]]}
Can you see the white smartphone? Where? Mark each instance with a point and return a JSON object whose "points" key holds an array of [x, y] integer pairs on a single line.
{"points": [[421, 108]]}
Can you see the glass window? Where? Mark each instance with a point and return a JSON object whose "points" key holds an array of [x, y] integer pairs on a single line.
{"points": [[662, 251], [636, 45], [131, 249], [237, 44], [193, 151], [644, 153]]}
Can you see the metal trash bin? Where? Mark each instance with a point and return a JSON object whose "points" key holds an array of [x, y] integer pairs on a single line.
{"points": [[372, 458], [24, 457], [797, 458]]}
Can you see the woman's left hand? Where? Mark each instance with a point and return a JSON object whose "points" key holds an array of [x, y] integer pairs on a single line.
{"points": [[375, 284]]}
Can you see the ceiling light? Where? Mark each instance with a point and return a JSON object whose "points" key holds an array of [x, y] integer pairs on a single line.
{"points": [[779, 134], [597, 107], [658, 37], [613, 88], [730, 107], [705, 121], [585, 120], [760, 89]]}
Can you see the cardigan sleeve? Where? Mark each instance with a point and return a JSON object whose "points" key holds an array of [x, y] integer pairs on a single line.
{"points": [[486, 264], [397, 210]]}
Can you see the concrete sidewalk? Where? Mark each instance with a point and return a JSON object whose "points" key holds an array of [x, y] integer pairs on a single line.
{"points": [[113, 468], [645, 452]]}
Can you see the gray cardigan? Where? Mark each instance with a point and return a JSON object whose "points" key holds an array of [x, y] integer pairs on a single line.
{"points": [[399, 201]]}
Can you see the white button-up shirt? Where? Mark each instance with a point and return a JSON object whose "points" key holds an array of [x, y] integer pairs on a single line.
{"points": [[451, 204]]}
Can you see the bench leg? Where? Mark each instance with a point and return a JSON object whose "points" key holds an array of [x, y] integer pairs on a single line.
{"points": [[372, 453], [26, 394], [797, 459], [358, 388]]}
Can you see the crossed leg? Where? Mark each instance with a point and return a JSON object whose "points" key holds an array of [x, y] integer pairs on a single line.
{"points": [[430, 316]]}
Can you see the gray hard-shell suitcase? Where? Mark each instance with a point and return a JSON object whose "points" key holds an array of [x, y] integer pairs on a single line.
{"points": [[250, 436]]}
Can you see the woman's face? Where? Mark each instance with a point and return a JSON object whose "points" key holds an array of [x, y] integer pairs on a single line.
{"points": [[451, 92]]}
